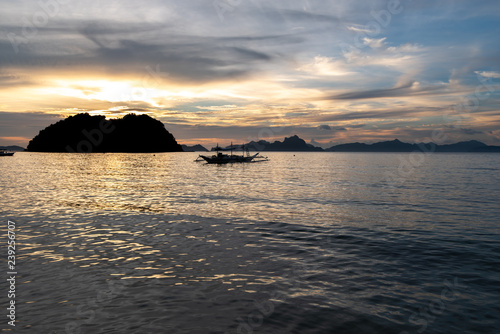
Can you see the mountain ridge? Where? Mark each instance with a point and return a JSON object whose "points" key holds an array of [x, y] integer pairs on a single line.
{"points": [[396, 145], [297, 144], [194, 148], [293, 143], [13, 148]]}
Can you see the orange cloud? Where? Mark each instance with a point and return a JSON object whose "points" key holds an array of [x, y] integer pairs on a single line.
{"points": [[14, 141]]}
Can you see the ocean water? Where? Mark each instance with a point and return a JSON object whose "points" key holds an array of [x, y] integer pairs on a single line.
{"points": [[303, 243]]}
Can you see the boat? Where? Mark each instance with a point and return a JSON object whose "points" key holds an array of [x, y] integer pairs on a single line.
{"points": [[221, 158], [4, 153]]}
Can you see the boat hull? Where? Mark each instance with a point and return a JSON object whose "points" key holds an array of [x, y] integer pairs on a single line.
{"points": [[228, 159]]}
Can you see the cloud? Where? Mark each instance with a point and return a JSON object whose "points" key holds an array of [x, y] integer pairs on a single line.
{"points": [[490, 74], [374, 43], [326, 127], [119, 48], [359, 29], [407, 48], [375, 93], [470, 132], [325, 66], [404, 89], [18, 128], [194, 60], [308, 16]]}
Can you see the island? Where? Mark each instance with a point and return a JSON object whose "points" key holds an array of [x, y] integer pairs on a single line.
{"points": [[12, 148], [297, 144], [293, 143], [83, 133], [471, 146], [194, 148]]}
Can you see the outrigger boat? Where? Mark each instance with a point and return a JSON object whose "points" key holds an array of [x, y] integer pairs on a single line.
{"points": [[221, 158], [4, 153]]}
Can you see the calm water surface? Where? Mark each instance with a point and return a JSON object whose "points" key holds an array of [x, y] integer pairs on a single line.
{"points": [[304, 243]]}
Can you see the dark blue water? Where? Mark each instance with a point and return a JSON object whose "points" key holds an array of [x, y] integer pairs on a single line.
{"points": [[304, 243]]}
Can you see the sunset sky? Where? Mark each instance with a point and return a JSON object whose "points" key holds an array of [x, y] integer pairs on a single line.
{"points": [[240, 70]]}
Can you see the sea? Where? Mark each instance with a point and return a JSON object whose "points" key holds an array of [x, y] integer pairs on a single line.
{"points": [[304, 243]]}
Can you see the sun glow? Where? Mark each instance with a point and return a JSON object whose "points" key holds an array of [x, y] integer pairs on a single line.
{"points": [[110, 91], [130, 91]]}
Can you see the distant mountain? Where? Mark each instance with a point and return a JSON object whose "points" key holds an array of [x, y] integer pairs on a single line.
{"points": [[386, 146], [194, 148], [293, 143], [296, 144], [12, 148], [398, 146], [464, 146], [84, 133]]}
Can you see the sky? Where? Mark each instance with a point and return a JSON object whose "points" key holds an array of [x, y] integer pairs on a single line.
{"points": [[239, 70]]}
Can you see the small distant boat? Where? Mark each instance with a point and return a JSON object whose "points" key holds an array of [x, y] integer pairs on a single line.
{"points": [[4, 153], [221, 158]]}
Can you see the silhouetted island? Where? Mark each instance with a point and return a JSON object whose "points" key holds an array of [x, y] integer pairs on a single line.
{"points": [[13, 148], [471, 146], [293, 143], [296, 144], [84, 133], [194, 148]]}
